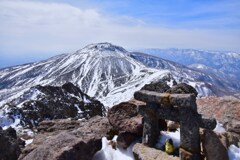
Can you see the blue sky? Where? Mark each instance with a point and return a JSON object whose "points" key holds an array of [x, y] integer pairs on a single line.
{"points": [[34, 30]]}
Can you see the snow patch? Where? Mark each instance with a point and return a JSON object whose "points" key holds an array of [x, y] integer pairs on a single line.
{"points": [[233, 152], [27, 142], [85, 100], [219, 128], [108, 153]]}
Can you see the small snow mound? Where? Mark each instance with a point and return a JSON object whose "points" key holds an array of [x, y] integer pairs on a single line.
{"points": [[28, 141], [108, 153], [219, 128], [233, 152]]}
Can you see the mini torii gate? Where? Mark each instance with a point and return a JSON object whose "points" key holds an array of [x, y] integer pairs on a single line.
{"points": [[181, 108]]}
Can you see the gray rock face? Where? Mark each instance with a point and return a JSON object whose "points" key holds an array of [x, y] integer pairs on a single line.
{"points": [[10, 145], [78, 141]]}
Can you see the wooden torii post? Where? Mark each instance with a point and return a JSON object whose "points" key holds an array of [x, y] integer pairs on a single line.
{"points": [[181, 108]]}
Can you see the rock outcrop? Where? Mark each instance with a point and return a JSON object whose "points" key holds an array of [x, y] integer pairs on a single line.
{"points": [[225, 109], [79, 140], [50, 102], [10, 145]]}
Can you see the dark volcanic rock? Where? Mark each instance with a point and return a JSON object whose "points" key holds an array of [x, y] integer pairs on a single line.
{"points": [[80, 140], [49, 102], [10, 145], [182, 88], [159, 87]]}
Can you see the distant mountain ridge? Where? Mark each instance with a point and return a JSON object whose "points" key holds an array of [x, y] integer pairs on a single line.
{"points": [[223, 61], [107, 72], [206, 81]]}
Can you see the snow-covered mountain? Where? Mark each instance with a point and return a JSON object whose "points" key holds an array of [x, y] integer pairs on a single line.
{"points": [[225, 62], [107, 72], [100, 70]]}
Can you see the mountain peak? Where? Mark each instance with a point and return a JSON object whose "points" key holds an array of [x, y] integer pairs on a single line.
{"points": [[105, 49]]}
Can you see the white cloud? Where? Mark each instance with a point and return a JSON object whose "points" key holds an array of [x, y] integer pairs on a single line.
{"points": [[37, 27]]}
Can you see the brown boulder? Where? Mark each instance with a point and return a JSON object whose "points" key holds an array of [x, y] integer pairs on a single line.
{"points": [[79, 142], [124, 117]]}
